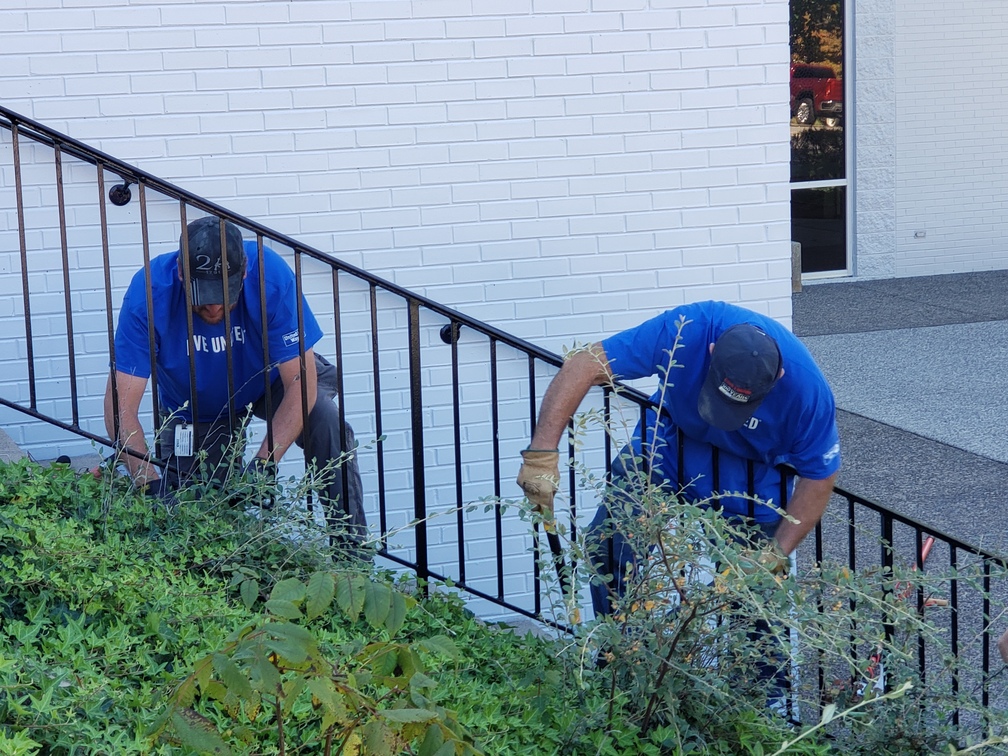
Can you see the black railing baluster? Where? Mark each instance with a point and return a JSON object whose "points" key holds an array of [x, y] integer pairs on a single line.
{"points": [[536, 577], [23, 244], [954, 629], [457, 447], [107, 270], [344, 471], [919, 561], [67, 308], [986, 636], [190, 330], [416, 415], [151, 342], [264, 324], [228, 355], [495, 445], [310, 457], [380, 450]]}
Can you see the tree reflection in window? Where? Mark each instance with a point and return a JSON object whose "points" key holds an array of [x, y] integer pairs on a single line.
{"points": [[817, 130]]}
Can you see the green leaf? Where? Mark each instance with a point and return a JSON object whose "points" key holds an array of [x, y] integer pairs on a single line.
{"points": [[291, 690], [291, 589], [283, 608], [232, 676], [420, 681], [198, 733], [377, 603], [828, 712], [397, 613], [403, 716], [378, 739], [350, 594], [321, 589], [290, 642], [266, 677], [324, 691], [249, 592], [440, 644], [433, 741]]}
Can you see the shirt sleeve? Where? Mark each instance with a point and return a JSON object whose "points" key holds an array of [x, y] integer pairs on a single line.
{"points": [[815, 453], [284, 334], [639, 352], [132, 342]]}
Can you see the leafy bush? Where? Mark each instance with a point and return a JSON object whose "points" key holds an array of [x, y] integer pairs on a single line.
{"points": [[203, 628]]}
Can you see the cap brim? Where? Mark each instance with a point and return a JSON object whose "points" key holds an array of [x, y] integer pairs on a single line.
{"points": [[210, 291], [720, 412]]}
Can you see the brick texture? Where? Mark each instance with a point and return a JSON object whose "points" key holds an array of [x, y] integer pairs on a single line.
{"points": [[558, 170]]}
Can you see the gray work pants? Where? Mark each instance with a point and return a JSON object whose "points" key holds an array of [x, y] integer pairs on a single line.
{"points": [[343, 495]]}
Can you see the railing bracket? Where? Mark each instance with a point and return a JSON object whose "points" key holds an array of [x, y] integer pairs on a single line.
{"points": [[120, 194]]}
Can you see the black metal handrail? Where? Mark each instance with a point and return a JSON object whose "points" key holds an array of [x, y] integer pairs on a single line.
{"points": [[433, 373]]}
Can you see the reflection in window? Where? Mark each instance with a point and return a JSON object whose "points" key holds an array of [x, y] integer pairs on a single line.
{"points": [[818, 216], [817, 154], [817, 223]]}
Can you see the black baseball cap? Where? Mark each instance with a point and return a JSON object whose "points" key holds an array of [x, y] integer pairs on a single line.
{"points": [[206, 261], [744, 367]]}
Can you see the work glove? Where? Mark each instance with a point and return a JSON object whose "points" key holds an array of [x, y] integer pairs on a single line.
{"points": [[539, 477], [768, 557], [261, 475]]}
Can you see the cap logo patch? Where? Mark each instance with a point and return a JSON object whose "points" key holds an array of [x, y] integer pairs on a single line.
{"points": [[735, 393]]}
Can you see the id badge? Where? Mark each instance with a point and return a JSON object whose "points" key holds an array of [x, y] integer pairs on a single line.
{"points": [[183, 440]]}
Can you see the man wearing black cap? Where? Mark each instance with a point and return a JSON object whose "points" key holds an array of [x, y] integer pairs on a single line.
{"points": [[738, 382], [215, 279]]}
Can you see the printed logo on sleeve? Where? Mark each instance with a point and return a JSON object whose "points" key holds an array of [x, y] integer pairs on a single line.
{"points": [[290, 339], [831, 454]]}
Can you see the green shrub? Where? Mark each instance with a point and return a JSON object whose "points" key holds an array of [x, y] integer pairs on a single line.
{"points": [[203, 628]]}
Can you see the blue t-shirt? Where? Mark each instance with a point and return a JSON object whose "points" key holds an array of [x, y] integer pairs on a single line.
{"points": [[170, 335], [794, 426]]}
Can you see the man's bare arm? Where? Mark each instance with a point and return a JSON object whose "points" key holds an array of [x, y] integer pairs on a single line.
{"points": [[579, 373], [288, 420], [807, 505], [129, 393]]}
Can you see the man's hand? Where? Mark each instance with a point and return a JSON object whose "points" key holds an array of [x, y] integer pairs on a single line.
{"points": [[257, 469], [1003, 646], [539, 477], [768, 557], [261, 474]]}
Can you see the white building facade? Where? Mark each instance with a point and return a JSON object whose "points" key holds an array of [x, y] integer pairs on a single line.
{"points": [[559, 169]]}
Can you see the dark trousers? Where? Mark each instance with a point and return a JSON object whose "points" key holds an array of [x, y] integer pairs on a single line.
{"points": [[343, 495]]}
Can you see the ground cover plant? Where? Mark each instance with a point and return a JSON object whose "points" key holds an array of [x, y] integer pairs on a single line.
{"points": [[128, 627]]}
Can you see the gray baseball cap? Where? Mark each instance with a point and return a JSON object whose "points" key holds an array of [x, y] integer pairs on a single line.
{"points": [[206, 261]]}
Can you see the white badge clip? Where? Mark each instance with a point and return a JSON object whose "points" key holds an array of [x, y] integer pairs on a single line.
{"points": [[183, 440]]}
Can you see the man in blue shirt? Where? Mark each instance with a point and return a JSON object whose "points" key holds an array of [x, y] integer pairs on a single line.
{"points": [[241, 330], [732, 380]]}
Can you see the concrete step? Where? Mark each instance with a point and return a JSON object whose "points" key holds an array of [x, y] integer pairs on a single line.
{"points": [[11, 452]]}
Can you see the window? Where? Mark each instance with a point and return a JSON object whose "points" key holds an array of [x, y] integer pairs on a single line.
{"points": [[819, 196]]}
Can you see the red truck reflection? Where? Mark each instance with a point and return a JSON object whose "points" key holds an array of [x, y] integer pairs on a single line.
{"points": [[816, 92]]}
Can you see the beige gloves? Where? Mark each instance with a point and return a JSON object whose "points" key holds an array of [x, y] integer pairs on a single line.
{"points": [[539, 477], [767, 557]]}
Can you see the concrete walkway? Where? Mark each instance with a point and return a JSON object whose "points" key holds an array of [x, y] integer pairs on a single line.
{"points": [[918, 367]]}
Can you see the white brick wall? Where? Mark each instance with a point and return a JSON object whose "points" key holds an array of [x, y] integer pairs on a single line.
{"points": [[930, 137], [561, 170], [951, 146]]}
